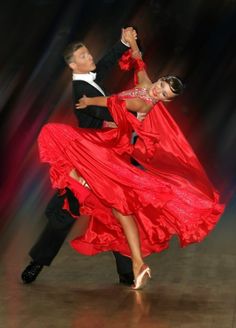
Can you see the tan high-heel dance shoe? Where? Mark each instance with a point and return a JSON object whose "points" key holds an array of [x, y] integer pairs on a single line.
{"points": [[142, 278]]}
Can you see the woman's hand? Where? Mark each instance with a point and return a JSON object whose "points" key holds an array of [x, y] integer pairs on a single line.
{"points": [[141, 116], [107, 124], [82, 103], [129, 35]]}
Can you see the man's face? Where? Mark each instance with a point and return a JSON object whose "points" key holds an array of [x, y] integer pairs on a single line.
{"points": [[161, 90], [82, 61]]}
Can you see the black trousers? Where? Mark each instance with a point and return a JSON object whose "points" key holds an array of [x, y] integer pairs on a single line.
{"points": [[54, 234]]}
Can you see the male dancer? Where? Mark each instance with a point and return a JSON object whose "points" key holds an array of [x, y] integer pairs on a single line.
{"points": [[79, 59]]}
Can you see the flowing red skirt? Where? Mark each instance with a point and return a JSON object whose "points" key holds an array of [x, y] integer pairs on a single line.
{"points": [[170, 196]]}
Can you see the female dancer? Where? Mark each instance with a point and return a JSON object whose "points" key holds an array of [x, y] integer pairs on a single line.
{"points": [[133, 211]]}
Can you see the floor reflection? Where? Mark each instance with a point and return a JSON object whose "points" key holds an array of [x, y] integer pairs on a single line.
{"points": [[193, 287]]}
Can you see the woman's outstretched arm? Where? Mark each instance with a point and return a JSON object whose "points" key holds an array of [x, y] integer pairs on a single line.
{"points": [[134, 105], [136, 54]]}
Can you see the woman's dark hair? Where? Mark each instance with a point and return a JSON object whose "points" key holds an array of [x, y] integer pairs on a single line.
{"points": [[176, 85], [70, 49]]}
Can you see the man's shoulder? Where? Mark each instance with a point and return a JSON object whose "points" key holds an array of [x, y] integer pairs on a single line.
{"points": [[80, 84], [81, 87]]}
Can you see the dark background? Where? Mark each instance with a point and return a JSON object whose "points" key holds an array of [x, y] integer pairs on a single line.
{"points": [[194, 39]]}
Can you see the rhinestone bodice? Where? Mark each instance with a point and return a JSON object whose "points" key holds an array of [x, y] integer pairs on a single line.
{"points": [[141, 93]]}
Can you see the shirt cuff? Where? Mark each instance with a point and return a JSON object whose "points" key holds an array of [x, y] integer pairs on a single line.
{"points": [[125, 43]]}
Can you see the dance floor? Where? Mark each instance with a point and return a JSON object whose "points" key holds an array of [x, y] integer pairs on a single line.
{"points": [[193, 287]]}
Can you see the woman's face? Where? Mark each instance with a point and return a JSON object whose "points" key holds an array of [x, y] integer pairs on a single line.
{"points": [[161, 90]]}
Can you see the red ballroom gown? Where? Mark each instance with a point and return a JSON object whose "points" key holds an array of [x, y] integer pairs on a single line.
{"points": [[170, 196]]}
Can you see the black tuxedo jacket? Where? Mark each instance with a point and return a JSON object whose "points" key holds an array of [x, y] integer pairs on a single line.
{"points": [[93, 116]]}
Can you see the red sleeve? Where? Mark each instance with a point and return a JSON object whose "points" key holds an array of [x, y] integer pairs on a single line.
{"points": [[127, 62]]}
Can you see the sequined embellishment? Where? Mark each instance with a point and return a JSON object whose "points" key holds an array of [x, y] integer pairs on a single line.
{"points": [[141, 93]]}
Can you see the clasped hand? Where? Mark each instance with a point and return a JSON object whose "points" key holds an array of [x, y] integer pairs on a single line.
{"points": [[82, 103]]}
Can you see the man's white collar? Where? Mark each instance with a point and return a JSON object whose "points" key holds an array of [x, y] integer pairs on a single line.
{"points": [[88, 77]]}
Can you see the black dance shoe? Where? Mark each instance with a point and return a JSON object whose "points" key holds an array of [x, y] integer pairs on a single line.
{"points": [[31, 272], [126, 279]]}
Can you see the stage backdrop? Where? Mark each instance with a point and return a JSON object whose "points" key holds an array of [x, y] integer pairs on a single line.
{"points": [[192, 39]]}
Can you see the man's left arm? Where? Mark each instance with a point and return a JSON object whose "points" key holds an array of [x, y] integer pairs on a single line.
{"points": [[109, 60]]}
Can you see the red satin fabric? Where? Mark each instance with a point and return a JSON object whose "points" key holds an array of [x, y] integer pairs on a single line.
{"points": [[127, 62], [172, 197]]}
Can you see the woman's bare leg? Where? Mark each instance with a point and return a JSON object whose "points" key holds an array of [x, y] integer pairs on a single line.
{"points": [[130, 229], [141, 271], [73, 174], [131, 232]]}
